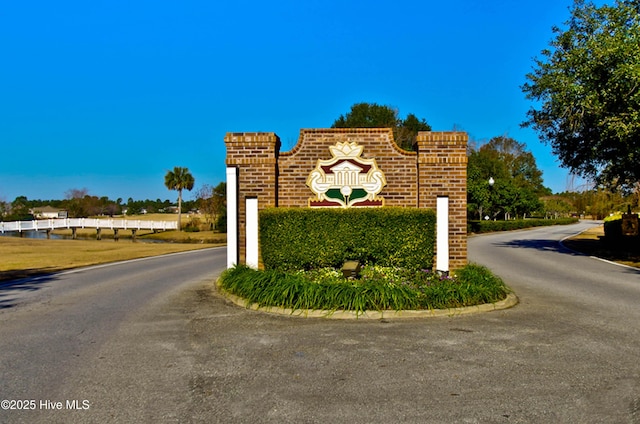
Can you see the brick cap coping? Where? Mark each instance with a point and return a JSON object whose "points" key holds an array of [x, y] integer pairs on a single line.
{"points": [[509, 302], [346, 131]]}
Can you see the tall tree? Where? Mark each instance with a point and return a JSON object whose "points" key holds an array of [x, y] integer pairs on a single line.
{"points": [[211, 200], [503, 180], [586, 89], [520, 163], [19, 210], [76, 202], [373, 115], [179, 179]]}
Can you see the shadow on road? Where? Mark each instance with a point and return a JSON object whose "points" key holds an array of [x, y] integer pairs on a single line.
{"points": [[10, 287], [538, 244], [576, 248]]}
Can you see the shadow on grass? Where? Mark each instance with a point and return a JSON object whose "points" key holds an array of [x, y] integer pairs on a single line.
{"points": [[13, 282]]}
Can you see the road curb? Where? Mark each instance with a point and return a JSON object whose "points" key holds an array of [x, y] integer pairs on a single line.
{"points": [[510, 301]]}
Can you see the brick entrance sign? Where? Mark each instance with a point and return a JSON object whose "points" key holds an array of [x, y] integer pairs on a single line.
{"points": [[340, 167]]}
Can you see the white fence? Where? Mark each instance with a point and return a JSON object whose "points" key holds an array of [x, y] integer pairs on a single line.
{"points": [[54, 224]]}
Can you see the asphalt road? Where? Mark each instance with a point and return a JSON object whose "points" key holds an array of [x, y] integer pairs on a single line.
{"points": [[56, 329], [568, 353]]}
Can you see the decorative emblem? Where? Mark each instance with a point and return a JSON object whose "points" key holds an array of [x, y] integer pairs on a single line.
{"points": [[346, 179]]}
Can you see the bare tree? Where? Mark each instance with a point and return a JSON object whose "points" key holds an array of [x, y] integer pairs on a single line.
{"points": [[211, 201]]}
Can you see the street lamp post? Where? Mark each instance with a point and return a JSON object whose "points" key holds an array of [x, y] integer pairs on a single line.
{"points": [[491, 183]]}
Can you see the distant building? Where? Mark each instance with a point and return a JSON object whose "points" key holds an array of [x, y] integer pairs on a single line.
{"points": [[48, 212]]}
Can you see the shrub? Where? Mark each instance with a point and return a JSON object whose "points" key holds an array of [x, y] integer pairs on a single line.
{"points": [[613, 228], [379, 288], [303, 238], [193, 226], [489, 226], [613, 234]]}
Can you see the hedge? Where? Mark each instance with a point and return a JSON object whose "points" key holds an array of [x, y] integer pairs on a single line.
{"points": [[613, 228], [489, 226], [613, 233], [304, 238]]}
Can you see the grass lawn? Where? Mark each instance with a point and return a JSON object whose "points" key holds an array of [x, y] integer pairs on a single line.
{"points": [[23, 257]]}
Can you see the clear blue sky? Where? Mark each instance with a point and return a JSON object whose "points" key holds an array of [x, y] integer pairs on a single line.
{"points": [[109, 95]]}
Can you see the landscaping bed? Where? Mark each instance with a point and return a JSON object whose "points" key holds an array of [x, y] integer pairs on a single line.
{"points": [[378, 288]]}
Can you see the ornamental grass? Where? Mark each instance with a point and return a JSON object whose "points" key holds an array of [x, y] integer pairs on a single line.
{"points": [[378, 288]]}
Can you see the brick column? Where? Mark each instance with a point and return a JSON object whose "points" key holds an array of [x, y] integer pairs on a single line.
{"points": [[442, 171], [255, 156]]}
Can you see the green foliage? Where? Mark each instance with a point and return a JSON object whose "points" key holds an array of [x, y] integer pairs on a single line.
{"points": [[304, 238], [222, 221], [617, 246], [4, 209], [586, 89], [613, 228], [18, 210], [179, 179], [193, 226], [379, 288], [136, 207], [597, 202], [490, 226], [368, 115], [517, 180], [212, 202], [78, 203], [372, 115], [557, 206]]}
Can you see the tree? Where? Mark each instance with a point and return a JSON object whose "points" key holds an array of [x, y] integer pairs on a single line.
{"points": [[76, 203], [19, 210], [556, 206], [4, 209], [587, 93], [502, 178], [520, 163], [211, 200], [372, 115], [179, 179]]}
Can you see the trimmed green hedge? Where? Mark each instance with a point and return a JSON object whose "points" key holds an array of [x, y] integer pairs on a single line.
{"points": [[490, 226], [303, 238], [613, 228], [613, 233]]}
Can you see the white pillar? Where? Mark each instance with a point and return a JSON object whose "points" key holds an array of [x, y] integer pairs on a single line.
{"points": [[232, 216], [442, 234], [252, 232]]}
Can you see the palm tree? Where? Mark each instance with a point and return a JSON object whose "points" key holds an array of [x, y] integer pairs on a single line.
{"points": [[179, 179]]}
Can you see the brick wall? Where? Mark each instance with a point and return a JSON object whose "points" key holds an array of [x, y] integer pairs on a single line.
{"points": [[442, 165], [255, 155], [414, 179]]}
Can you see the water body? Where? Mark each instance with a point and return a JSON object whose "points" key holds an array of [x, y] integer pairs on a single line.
{"points": [[33, 235]]}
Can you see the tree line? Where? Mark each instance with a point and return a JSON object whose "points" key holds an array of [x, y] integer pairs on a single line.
{"points": [[503, 180]]}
